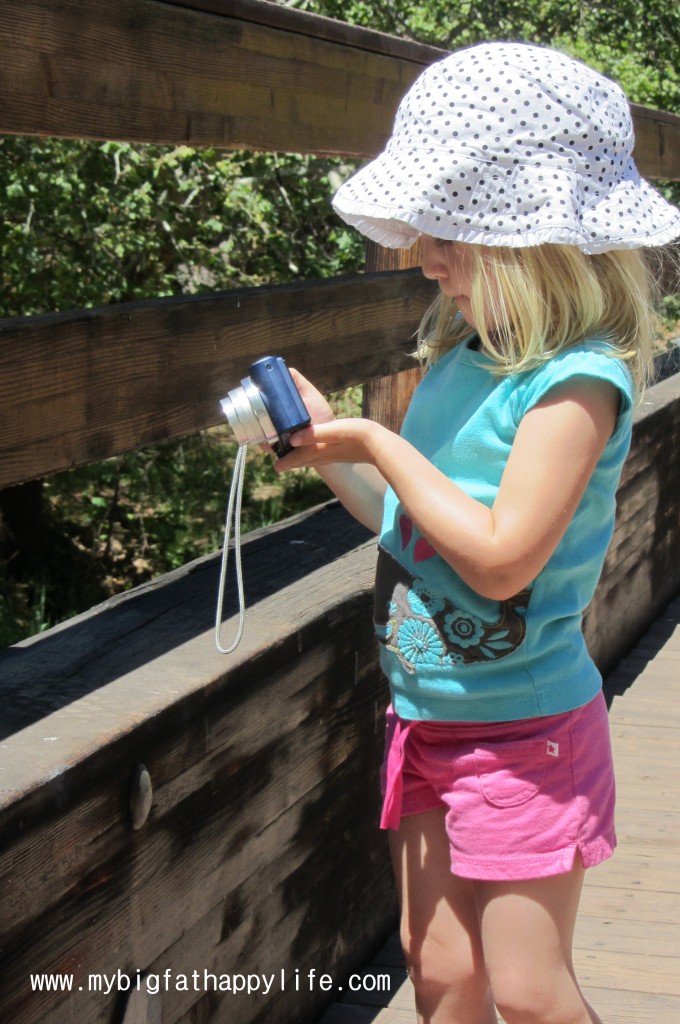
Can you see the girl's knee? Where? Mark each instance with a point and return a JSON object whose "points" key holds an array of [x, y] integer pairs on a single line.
{"points": [[441, 972], [523, 998], [427, 959], [516, 999]]}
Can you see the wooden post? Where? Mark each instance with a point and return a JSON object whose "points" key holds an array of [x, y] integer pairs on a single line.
{"points": [[386, 400]]}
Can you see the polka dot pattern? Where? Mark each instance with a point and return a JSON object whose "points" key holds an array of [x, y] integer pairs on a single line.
{"points": [[509, 144]]}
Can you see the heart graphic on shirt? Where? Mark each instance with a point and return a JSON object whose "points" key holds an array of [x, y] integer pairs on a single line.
{"points": [[423, 550], [406, 530]]}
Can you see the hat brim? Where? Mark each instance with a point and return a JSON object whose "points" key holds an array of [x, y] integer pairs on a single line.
{"points": [[628, 215]]}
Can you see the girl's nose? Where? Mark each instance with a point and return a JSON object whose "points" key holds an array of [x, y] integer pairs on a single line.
{"points": [[433, 262]]}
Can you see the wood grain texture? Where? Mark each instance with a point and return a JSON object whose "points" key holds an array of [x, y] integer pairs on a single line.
{"points": [[227, 74], [641, 572], [657, 142], [305, 23], [256, 761], [97, 383], [387, 398], [148, 71]]}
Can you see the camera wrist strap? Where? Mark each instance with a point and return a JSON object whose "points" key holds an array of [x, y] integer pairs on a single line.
{"points": [[233, 511]]}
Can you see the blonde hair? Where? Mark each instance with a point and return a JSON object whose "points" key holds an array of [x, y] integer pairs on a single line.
{"points": [[543, 298]]}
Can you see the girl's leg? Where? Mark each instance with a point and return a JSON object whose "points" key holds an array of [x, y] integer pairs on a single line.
{"points": [[439, 926], [527, 931]]}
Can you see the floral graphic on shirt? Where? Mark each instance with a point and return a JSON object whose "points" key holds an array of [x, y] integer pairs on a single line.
{"points": [[420, 642], [467, 630], [424, 629], [423, 601], [463, 629]]}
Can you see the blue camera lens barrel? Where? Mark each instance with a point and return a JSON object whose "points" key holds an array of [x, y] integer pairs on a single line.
{"points": [[286, 409]]}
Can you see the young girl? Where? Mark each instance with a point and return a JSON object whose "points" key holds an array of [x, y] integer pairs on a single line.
{"points": [[511, 165]]}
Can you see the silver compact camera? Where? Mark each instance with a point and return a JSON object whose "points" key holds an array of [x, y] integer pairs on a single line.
{"points": [[267, 408]]}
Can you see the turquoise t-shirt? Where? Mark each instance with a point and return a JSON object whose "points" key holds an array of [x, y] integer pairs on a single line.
{"points": [[448, 653]]}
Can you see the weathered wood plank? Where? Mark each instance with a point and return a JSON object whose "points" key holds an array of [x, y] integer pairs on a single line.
{"points": [[179, 772], [639, 868], [56, 670], [593, 934], [625, 1007], [386, 400], [97, 383], [173, 74], [241, 74], [355, 1014], [627, 939], [287, 18], [252, 760], [657, 138], [630, 972], [641, 572]]}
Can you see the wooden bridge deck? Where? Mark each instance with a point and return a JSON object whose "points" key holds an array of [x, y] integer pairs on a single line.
{"points": [[628, 938]]}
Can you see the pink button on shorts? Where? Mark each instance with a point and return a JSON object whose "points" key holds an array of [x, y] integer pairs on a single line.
{"points": [[521, 798]]}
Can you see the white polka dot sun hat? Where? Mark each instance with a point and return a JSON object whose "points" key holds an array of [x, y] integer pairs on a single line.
{"points": [[509, 144]]}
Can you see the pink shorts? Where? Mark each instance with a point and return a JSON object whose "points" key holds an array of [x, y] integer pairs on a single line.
{"points": [[521, 798]]}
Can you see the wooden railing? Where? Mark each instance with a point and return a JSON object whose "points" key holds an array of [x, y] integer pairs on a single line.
{"points": [[163, 808]]}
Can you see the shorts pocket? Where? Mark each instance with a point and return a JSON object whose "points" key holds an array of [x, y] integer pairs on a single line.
{"points": [[511, 774]]}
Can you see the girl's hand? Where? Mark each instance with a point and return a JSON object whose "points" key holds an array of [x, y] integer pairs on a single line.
{"points": [[341, 450], [338, 441], [317, 406], [328, 440], [496, 550]]}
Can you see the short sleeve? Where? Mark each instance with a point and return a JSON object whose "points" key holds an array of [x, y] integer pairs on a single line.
{"points": [[594, 361]]}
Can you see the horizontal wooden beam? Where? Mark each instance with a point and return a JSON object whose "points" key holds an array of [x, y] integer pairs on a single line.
{"points": [[77, 388], [149, 71], [225, 73], [288, 19], [250, 758], [657, 143]]}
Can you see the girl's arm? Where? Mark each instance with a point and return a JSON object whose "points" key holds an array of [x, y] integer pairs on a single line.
{"points": [[359, 485], [499, 550]]}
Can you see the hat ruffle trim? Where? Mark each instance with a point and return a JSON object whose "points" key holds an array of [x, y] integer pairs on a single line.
{"points": [[592, 225]]}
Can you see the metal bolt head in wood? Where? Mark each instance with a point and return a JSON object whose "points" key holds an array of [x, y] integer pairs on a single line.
{"points": [[141, 796]]}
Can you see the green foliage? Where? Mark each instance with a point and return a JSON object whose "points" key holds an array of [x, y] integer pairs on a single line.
{"points": [[636, 43], [86, 223], [670, 311], [153, 510], [453, 26]]}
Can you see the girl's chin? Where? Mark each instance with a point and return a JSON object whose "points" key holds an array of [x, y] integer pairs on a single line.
{"points": [[463, 305]]}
